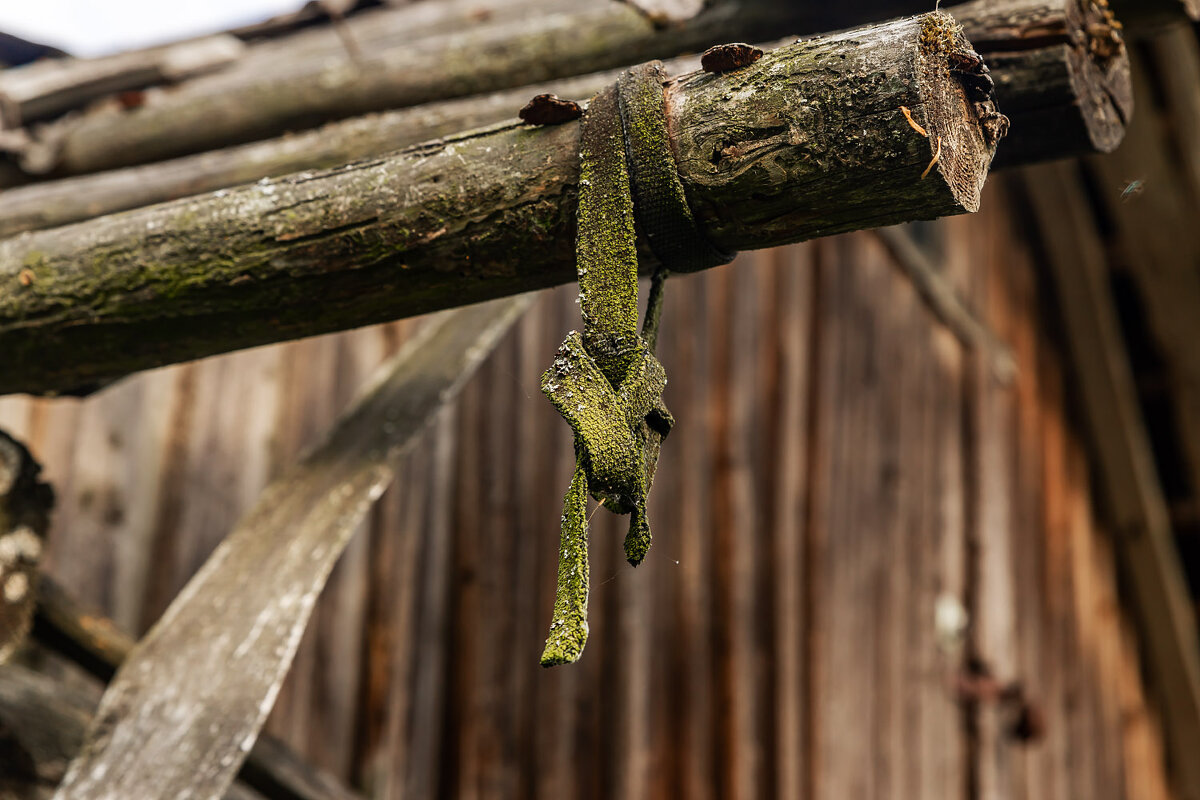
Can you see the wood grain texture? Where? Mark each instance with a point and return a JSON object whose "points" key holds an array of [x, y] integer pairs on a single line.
{"points": [[176, 720], [285, 88], [824, 485], [1134, 501], [1063, 99], [1061, 73]]}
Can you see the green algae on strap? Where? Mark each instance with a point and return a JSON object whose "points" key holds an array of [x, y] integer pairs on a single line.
{"points": [[660, 206], [569, 630], [606, 247]]}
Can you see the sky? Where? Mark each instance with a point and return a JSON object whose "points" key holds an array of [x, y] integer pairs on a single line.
{"points": [[97, 27]]}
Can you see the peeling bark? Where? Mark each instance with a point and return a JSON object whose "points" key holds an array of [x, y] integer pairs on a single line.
{"points": [[808, 141]]}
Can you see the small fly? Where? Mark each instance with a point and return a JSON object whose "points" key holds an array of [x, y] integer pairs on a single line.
{"points": [[1132, 190]]}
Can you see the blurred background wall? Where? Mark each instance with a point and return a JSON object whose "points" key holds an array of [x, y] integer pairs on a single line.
{"points": [[842, 468]]}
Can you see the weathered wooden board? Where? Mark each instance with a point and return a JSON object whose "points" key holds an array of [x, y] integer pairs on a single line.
{"points": [[840, 461]]}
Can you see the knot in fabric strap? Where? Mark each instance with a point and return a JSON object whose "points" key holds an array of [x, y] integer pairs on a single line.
{"points": [[605, 381]]}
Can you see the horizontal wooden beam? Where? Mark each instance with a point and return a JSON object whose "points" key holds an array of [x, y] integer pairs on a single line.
{"points": [[806, 142], [1062, 98], [1138, 16], [47, 204], [51, 86]]}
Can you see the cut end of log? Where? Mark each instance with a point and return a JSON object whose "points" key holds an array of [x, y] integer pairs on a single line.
{"points": [[960, 116]]}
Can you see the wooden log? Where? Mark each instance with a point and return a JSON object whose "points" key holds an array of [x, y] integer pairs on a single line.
{"points": [[189, 702], [51, 203], [1061, 73], [1137, 16], [96, 644], [808, 141], [52, 86], [233, 108], [1063, 101]]}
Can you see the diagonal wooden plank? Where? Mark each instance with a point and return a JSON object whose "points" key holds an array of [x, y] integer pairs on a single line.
{"points": [[187, 706], [95, 644]]}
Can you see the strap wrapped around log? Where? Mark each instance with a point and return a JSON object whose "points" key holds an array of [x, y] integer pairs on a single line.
{"points": [[660, 202]]}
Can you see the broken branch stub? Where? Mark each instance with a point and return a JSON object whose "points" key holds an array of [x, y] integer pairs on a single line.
{"points": [[808, 141]]}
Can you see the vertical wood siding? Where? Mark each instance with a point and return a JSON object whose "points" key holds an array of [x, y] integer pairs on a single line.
{"points": [[840, 464]]}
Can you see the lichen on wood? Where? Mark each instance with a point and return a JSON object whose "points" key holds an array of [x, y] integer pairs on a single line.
{"points": [[25, 504]]}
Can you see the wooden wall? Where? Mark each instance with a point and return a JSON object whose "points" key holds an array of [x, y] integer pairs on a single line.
{"points": [[841, 465]]}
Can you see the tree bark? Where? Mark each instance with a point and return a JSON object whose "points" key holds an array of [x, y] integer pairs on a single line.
{"points": [[808, 141], [52, 86], [1139, 16], [51, 203]]}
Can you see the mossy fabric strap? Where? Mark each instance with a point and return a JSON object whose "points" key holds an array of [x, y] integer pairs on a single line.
{"points": [[663, 214], [606, 382]]}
